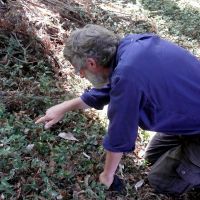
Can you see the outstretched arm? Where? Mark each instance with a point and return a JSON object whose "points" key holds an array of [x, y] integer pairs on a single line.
{"points": [[57, 112]]}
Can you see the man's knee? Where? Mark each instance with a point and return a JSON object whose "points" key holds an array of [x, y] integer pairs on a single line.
{"points": [[150, 159], [160, 144], [171, 174]]}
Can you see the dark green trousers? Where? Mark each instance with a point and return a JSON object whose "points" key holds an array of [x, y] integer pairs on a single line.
{"points": [[175, 163]]}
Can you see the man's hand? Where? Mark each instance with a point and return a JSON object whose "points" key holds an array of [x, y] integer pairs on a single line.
{"points": [[113, 183], [53, 115], [112, 161], [57, 112], [105, 179]]}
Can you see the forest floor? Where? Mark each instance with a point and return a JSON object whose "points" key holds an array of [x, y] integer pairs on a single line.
{"points": [[39, 164]]}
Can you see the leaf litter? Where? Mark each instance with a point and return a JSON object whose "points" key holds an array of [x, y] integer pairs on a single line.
{"points": [[67, 136]]}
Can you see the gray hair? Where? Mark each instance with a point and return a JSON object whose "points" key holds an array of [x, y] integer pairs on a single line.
{"points": [[91, 41]]}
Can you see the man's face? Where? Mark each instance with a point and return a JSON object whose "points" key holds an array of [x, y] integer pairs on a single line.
{"points": [[97, 75], [97, 80]]}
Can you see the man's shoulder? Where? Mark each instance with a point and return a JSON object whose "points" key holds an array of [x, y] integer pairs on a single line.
{"points": [[129, 38], [135, 43]]}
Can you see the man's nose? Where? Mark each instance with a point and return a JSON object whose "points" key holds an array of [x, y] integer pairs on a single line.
{"points": [[81, 74]]}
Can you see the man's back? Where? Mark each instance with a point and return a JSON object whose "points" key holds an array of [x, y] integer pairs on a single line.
{"points": [[168, 77]]}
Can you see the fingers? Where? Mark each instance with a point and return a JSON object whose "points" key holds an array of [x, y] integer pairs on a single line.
{"points": [[44, 119], [49, 124], [41, 120], [107, 181]]}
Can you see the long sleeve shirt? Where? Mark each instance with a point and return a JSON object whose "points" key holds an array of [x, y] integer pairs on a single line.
{"points": [[155, 85]]}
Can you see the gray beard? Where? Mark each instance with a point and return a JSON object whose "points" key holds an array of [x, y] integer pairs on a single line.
{"points": [[98, 81]]}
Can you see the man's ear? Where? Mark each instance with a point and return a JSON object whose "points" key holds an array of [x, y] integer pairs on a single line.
{"points": [[91, 64]]}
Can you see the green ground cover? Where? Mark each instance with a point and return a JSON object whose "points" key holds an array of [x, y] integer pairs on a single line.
{"points": [[38, 164]]}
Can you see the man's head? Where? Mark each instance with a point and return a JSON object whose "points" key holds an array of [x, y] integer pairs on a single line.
{"points": [[91, 50]]}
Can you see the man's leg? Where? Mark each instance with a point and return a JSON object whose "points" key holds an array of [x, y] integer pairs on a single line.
{"points": [[178, 169], [160, 144]]}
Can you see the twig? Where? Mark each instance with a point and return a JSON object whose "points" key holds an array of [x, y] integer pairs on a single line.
{"points": [[24, 61], [24, 49]]}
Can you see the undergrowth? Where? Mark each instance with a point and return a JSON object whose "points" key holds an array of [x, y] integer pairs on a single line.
{"points": [[36, 163]]}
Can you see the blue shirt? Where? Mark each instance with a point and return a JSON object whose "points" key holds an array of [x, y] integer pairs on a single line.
{"points": [[155, 85]]}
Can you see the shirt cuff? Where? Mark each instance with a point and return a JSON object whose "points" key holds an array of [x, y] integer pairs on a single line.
{"points": [[118, 148], [90, 101]]}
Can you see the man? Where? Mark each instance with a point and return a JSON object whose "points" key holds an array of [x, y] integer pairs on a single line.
{"points": [[147, 82]]}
